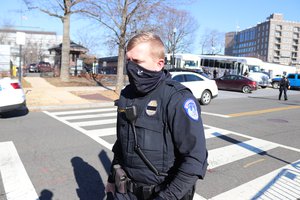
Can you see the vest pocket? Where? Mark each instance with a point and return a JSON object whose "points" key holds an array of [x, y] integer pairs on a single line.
{"points": [[150, 134]]}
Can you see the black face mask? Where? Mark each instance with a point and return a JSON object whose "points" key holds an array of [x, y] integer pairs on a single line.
{"points": [[142, 79]]}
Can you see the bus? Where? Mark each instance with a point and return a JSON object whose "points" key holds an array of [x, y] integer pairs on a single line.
{"points": [[235, 65], [184, 61]]}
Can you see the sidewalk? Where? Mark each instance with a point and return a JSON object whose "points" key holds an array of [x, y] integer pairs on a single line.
{"points": [[44, 96]]}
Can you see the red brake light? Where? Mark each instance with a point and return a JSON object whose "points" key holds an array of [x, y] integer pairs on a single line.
{"points": [[16, 85]]}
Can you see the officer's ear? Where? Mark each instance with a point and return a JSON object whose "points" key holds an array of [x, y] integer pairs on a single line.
{"points": [[160, 63]]}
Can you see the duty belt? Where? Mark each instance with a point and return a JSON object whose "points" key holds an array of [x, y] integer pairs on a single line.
{"points": [[142, 191]]}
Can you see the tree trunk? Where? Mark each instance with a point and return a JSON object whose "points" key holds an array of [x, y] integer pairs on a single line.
{"points": [[120, 69], [65, 52]]}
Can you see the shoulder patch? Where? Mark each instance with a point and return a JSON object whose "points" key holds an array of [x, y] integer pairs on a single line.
{"points": [[190, 108]]}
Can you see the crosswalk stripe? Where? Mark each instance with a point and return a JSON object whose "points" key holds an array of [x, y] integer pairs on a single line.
{"points": [[96, 122], [267, 186], [83, 111], [86, 132], [221, 156], [90, 116], [103, 132], [16, 182]]}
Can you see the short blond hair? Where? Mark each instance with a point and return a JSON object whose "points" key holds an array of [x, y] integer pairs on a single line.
{"points": [[158, 50]]}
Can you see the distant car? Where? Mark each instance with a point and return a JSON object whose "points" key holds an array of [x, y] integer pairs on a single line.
{"points": [[275, 81], [44, 67], [202, 88], [294, 80], [199, 71], [11, 95], [32, 67], [237, 83]]}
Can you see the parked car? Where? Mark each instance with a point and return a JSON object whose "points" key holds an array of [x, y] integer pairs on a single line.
{"points": [[202, 88], [44, 67], [275, 81], [294, 79], [32, 67], [236, 82], [199, 71], [11, 95]]}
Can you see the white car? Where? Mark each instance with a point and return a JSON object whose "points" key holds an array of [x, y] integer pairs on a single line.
{"points": [[204, 89], [11, 95]]}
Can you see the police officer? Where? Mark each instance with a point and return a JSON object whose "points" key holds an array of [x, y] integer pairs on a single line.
{"points": [[284, 85], [160, 150]]}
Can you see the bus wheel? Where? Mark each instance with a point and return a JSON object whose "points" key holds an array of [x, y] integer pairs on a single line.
{"points": [[205, 97], [246, 89]]}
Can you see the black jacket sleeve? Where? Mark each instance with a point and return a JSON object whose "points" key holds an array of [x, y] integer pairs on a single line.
{"points": [[186, 127]]}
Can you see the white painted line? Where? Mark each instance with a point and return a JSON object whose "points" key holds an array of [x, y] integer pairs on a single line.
{"points": [[96, 138], [96, 122], [90, 116], [270, 186], [16, 183], [215, 114], [250, 137], [83, 111], [103, 132], [224, 155], [198, 197]]}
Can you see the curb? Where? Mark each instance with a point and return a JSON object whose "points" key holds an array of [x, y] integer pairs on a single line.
{"points": [[65, 107]]}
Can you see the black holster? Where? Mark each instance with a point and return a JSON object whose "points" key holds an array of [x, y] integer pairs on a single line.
{"points": [[120, 179]]}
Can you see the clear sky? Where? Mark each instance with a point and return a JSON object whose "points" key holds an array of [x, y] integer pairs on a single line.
{"points": [[221, 15]]}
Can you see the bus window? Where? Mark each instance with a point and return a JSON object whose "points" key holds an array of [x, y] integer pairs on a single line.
{"points": [[254, 68]]}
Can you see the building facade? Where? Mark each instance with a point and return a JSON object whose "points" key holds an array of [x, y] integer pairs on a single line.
{"points": [[36, 45], [274, 40]]}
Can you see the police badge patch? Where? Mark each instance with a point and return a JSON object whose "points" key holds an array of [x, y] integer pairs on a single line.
{"points": [[191, 109], [151, 108]]}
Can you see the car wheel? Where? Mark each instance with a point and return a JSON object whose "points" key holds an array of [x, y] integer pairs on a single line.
{"points": [[205, 97], [246, 89], [275, 85]]}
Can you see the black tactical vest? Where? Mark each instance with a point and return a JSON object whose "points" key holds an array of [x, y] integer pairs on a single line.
{"points": [[153, 135]]}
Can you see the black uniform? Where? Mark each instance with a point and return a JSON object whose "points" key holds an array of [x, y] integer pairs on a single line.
{"points": [[283, 86], [169, 132]]}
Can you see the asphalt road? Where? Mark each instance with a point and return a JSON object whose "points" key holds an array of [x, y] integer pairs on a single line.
{"points": [[252, 139]]}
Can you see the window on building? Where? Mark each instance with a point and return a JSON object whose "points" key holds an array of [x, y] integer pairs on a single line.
{"points": [[295, 42], [278, 34], [296, 35], [294, 54], [278, 27], [277, 40], [296, 29]]}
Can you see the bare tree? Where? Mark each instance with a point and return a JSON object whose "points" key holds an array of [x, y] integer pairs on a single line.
{"points": [[123, 19], [62, 9], [212, 42], [177, 28]]}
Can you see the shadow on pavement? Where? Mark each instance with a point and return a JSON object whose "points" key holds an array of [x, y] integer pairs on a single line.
{"points": [[46, 195], [89, 181]]}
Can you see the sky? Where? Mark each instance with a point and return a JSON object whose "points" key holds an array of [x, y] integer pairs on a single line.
{"points": [[221, 15]]}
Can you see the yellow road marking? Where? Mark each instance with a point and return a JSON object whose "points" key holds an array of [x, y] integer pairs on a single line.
{"points": [[254, 162], [263, 111]]}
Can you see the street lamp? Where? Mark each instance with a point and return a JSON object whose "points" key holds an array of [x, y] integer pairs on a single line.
{"points": [[20, 40], [174, 40]]}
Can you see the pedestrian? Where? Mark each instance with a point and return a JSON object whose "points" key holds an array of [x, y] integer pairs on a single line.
{"points": [[160, 150], [215, 73], [226, 72], [246, 73], [284, 85]]}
